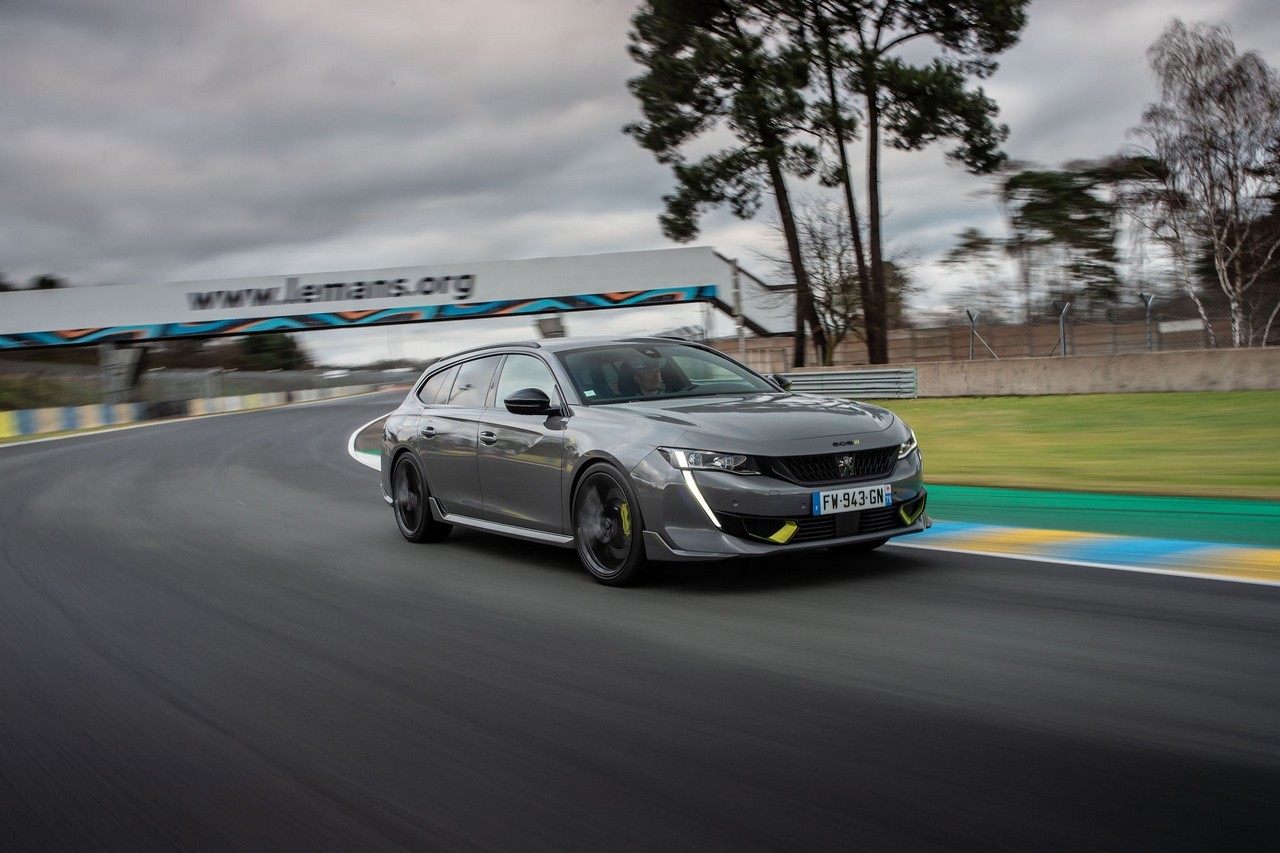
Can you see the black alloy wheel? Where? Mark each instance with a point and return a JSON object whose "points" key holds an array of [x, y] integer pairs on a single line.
{"points": [[409, 500], [607, 527]]}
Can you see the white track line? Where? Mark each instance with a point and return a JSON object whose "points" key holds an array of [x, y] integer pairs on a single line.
{"points": [[364, 458]]}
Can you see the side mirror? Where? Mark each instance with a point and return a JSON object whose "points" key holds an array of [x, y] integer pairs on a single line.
{"points": [[781, 381], [530, 401]]}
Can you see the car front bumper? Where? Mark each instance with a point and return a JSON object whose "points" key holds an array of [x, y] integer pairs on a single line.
{"points": [[708, 515]]}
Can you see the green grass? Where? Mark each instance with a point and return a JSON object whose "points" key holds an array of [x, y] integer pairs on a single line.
{"points": [[1212, 444], [21, 392]]}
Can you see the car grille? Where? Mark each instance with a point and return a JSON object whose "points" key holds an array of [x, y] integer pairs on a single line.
{"points": [[879, 519], [826, 468], [814, 529]]}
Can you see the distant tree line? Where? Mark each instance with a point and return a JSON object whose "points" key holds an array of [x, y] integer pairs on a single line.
{"points": [[270, 351], [1198, 194], [45, 281]]}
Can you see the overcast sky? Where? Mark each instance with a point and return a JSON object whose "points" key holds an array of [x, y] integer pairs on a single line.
{"points": [[161, 140]]}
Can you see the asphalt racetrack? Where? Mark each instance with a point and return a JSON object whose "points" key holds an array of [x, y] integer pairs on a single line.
{"points": [[212, 637]]}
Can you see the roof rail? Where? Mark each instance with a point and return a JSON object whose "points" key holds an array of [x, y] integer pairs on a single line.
{"points": [[673, 338], [530, 344]]}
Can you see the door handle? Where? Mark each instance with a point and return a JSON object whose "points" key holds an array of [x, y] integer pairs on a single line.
{"points": [[488, 438], [428, 432]]}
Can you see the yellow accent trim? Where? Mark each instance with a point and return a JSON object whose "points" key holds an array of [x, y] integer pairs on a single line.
{"points": [[911, 518], [784, 533]]}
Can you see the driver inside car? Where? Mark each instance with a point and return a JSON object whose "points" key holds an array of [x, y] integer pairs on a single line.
{"points": [[648, 375]]}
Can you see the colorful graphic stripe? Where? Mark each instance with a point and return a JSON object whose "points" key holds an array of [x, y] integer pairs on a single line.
{"points": [[1207, 559], [356, 319]]}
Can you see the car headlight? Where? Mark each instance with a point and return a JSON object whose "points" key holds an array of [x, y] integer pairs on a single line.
{"points": [[905, 449], [708, 460]]}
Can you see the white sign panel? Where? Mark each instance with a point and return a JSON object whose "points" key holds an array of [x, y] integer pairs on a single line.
{"points": [[301, 302]]}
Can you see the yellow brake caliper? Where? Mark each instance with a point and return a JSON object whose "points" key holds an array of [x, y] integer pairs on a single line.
{"points": [[624, 512]]}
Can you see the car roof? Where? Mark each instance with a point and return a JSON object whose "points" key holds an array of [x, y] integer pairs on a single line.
{"points": [[563, 344]]}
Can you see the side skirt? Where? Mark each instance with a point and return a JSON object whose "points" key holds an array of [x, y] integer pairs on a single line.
{"points": [[499, 528]]}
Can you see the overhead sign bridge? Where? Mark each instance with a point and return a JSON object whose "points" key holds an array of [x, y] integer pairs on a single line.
{"points": [[129, 314]]}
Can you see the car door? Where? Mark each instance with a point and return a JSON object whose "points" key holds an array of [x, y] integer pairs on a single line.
{"points": [[521, 457], [448, 433]]}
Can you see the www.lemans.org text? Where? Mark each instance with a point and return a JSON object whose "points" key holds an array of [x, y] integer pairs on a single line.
{"points": [[293, 293]]}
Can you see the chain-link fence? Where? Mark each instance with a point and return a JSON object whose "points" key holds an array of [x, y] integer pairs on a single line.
{"points": [[1156, 324], [1151, 324]]}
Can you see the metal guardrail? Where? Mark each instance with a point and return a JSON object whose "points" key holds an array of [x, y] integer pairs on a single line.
{"points": [[896, 383]]}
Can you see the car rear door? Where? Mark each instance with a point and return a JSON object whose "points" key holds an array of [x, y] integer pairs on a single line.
{"points": [[448, 436]]}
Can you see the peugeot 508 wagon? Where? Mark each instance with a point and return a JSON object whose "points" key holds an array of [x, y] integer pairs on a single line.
{"points": [[644, 449]]}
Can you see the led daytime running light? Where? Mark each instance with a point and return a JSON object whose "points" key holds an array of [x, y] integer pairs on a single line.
{"points": [[697, 495]]}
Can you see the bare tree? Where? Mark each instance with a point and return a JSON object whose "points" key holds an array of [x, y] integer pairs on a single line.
{"points": [[831, 258], [1214, 140]]}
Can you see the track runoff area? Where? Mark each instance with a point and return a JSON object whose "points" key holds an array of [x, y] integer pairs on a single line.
{"points": [[1211, 560]]}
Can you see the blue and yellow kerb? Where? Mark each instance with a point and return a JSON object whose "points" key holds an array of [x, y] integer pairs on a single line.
{"points": [[1210, 559]]}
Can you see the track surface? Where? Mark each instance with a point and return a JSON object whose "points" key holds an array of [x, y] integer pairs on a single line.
{"points": [[212, 636]]}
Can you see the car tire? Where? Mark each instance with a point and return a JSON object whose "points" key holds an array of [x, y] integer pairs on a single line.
{"points": [[858, 547], [607, 526], [409, 495]]}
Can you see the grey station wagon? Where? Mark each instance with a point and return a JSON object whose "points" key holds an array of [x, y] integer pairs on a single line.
{"points": [[644, 449]]}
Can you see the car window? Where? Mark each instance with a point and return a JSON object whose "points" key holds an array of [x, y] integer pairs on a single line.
{"points": [[700, 370], [432, 392], [524, 371], [643, 369], [472, 385]]}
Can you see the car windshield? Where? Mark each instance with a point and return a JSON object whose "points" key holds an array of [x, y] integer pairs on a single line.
{"points": [[623, 372]]}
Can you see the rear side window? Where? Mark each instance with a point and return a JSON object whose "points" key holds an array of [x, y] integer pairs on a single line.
{"points": [[472, 385], [431, 392]]}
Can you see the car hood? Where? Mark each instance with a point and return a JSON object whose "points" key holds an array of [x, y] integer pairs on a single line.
{"points": [[798, 423]]}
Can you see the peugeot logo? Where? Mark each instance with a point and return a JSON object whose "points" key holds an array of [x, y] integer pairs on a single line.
{"points": [[845, 464]]}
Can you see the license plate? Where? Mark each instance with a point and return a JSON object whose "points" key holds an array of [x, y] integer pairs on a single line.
{"points": [[851, 500]]}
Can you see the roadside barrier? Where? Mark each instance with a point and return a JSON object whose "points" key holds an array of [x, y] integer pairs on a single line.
{"points": [[896, 383], [33, 422]]}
